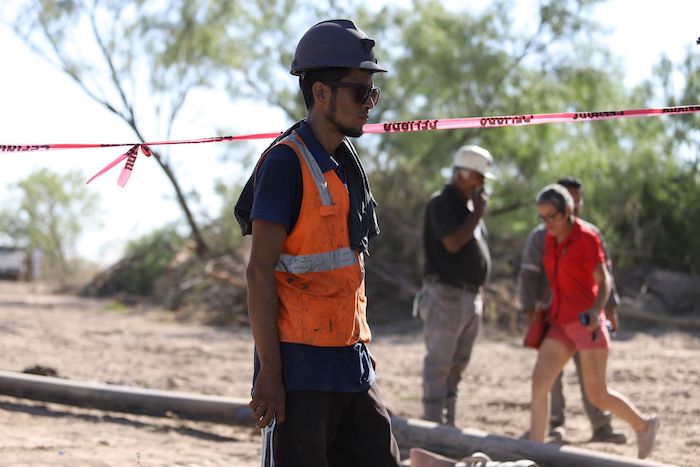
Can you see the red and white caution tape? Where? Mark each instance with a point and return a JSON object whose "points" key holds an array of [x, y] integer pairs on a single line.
{"points": [[375, 128], [520, 120]]}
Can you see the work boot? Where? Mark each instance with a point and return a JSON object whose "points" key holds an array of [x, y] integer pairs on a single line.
{"points": [[645, 439], [607, 434], [450, 411], [432, 412]]}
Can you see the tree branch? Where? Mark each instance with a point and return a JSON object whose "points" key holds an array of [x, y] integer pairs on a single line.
{"points": [[113, 72], [177, 105], [270, 97]]}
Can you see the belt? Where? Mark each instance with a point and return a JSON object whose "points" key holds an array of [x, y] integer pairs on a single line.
{"points": [[471, 288]]}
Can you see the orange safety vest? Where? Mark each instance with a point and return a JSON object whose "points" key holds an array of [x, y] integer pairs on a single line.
{"points": [[320, 279]]}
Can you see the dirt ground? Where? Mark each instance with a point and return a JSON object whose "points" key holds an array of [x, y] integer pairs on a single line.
{"points": [[88, 339]]}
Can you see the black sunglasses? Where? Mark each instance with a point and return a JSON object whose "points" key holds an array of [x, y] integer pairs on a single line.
{"points": [[362, 91]]}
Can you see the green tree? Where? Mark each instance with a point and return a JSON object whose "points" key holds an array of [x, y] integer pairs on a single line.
{"points": [[661, 194], [445, 64], [223, 231], [47, 212], [146, 259], [641, 175], [142, 60]]}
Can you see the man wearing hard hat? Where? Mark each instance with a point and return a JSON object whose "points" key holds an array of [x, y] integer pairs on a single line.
{"points": [[457, 263], [310, 211]]}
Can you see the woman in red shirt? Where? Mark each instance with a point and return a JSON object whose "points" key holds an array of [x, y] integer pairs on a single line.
{"points": [[575, 265]]}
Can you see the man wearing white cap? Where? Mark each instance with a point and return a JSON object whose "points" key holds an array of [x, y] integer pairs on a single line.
{"points": [[457, 263]]}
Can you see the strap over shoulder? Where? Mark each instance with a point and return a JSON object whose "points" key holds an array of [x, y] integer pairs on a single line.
{"points": [[244, 205]]}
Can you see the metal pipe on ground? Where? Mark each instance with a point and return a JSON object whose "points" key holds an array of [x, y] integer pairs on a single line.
{"points": [[126, 399], [458, 443], [409, 433]]}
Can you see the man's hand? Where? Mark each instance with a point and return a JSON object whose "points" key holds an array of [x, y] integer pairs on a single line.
{"points": [[479, 200], [268, 399], [454, 241]]}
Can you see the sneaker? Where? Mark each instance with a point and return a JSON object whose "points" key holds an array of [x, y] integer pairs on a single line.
{"points": [[645, 439], [607, 434], [557, 433]]}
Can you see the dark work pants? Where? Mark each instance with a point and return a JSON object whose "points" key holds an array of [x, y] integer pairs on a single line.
{"points": [[597, 417], [335, 429]]}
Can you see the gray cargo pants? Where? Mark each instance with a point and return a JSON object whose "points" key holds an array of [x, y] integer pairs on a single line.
{"points": [[451, 322], [597, 417]]}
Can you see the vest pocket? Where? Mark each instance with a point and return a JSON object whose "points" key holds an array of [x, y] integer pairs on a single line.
{"points": [[327, 321], [330, 210]]}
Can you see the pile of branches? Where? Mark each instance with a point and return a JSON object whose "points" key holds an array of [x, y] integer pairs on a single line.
{"points": [[210, 289]]}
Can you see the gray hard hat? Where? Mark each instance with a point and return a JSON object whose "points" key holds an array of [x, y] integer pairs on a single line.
{"points": [[334, 43]]}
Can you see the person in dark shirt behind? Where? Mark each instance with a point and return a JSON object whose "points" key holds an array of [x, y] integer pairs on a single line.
{"points": [[457, 263]]}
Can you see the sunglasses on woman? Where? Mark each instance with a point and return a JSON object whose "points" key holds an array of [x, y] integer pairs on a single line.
{"points": [[547, 218], [362, 91]]}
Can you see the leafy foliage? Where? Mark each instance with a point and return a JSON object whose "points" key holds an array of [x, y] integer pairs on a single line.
{"points": [[145, 261], [47, 212], [142, 60], [223, 232], [640, 175], [444, 64]]}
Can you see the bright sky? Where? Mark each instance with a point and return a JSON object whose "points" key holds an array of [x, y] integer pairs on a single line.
{"points": [[39, 105]]}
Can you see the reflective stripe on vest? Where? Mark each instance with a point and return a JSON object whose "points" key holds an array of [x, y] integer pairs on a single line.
{"points": [[322, 261], [316, 172], [302, 264]]}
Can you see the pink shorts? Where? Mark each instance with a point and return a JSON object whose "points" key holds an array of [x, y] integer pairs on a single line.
{"points": [[577, 337]]}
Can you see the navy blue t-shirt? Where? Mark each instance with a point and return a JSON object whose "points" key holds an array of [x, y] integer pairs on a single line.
{"points": [[277, 198]]}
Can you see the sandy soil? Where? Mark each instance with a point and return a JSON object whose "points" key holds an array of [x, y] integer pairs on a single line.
{"points": [[87, 339]]}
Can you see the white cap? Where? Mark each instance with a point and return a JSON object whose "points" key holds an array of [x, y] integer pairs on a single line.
{"points": [[474, 158]]}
